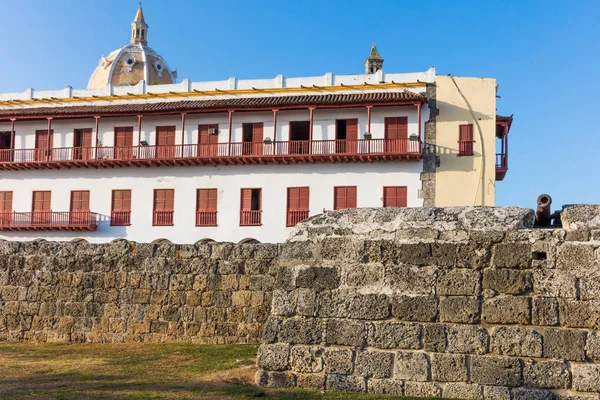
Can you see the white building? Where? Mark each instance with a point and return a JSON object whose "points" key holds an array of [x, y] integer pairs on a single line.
{"points": [[228, 160]]}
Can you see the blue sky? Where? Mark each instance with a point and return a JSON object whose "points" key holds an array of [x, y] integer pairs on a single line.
{"points": [[544, 54]]}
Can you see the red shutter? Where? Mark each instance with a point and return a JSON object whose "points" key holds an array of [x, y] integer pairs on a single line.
{"points": [[207, 200], [41, 200], [41, 145], [465, 140], [246, 200], [80, 200], [123, 143], [207, 142], [344, 197], [352, 135], [163, 207], [121, 208], [6, 208], [297, 205], [257, 138], [395, 196]]}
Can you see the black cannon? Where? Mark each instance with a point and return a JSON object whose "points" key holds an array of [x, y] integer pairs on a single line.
{"points": [[543, 216]]}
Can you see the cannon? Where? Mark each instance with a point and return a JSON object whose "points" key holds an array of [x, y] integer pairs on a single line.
{"points": [[543, 217]]}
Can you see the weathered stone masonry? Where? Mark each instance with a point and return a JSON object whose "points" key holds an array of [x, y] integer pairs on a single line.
{"points": [[125, 292], [459, 302]]}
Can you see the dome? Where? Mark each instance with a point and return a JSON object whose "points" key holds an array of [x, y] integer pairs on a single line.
{"points": [[133, 63]]}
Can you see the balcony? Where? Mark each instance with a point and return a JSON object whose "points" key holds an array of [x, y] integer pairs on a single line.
{"points": [[286, 152], [48, 220], [250, 217], [206, 218], [120, 218], [162, 218], [293, 217], [501, 166]]}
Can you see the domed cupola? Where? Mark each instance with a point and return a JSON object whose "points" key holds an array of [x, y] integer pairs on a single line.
{"points": [[134, 62]]}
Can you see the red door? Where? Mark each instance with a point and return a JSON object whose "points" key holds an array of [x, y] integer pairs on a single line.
{"points": [[41, 214], [165, 142], [257, 139], [352, 136], [123, 143], [80, 207], [6, 208], [42, 152], [396, 135], [82, 144], [208, 140], [6, 146], [297, 205]]}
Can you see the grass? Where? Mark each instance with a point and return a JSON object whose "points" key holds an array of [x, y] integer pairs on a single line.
{"points": [[138, 371]]}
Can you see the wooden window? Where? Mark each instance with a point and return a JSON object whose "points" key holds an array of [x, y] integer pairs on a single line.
{"points": [[344, 197], [250, 207], [163, 207], [252, 138], [465, 140], [120, 214], [394, 196], [123, 143], [208, 140], [6, 145], [297, 205], [165, 142], [41, 212], [43, 150], [80, 207], [206, 207], [82, 144], [6, 200], [396, 135], [346, 135]]}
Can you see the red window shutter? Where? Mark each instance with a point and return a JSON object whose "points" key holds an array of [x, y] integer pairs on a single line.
{"points": [[352, 129], [401, 196], [293, 199], [117, 200], [395, 196], [80, 200], [466, 133], [126, 196], [206, 200], [169, 199], [6, 201], [246, 199], [344, 197], [41, 200], [257, 132]]}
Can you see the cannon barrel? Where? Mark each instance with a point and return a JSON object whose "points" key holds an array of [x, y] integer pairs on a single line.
{"points": [[542, 214]]}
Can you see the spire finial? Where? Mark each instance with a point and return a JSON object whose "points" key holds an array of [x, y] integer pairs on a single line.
{"points": [[374, 62], [139, 29]]}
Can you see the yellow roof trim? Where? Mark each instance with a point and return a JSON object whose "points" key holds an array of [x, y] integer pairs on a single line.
{"points": [[216, 93]]}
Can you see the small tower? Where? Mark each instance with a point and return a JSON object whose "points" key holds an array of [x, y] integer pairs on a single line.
{"points": [[374, 63], [139, 28]]}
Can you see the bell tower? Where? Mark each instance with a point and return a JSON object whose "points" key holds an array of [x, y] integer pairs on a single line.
{"points": [[139, 28], [374, 63]]}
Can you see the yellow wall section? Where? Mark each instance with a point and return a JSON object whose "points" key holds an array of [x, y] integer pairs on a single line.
{"points": [[468, 180]]}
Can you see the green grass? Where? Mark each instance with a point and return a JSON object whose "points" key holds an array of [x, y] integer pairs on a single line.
{"points": [[138, 371]]}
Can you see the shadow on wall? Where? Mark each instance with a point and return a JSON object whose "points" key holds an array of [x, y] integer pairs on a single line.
{"points": [[449, 113]]}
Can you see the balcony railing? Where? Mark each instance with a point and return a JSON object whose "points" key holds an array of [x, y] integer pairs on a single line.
{"points": [[48, 220], [250, 217], [206, 218], [247, 152], [293, 217], [465, 147], [162, 218], [501, 166], [120, 218]]}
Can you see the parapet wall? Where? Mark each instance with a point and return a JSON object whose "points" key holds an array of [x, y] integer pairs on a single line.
{"points": [[458, 303], [127, 292]]}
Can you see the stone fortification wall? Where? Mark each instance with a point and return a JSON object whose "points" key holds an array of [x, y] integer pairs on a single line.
{"points": [[458, 302], [124, 292]]}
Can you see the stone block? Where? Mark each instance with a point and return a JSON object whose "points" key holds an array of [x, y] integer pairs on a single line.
{"points": [[374, 364], [467, 339], [284, 303], [565, 344], [393, 387], [412, 366], [576, 257], [306, 302], [410, 280], [507, 281], [345, 332], [496, 371], [273, 357], [368, 306], [298, 251], [554, 283], [306, 359], [589, 287], [570, 395], [448, 367], [473, 255], [318, 278], [544, 311], [531, 394], [552, 374], [513, 341], [466, 391], [415, 254], [592, 347], [310, 381], [444, 254], [414, 308], [422, 389], [285, 279], [346, 383], [434, 337], [338, 361], [303, 330], [458, 282], [506, 310], [579, 314], [275, 379], [362, 275], [460, 309], [586, 377], [511, 255], [496, 393], [394, 335]]}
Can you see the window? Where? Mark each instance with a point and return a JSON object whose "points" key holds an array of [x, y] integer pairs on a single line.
{"points": [[206, 207], [394, 196], [299, 137], [165, 142], [43, 149], [41, 214], [346, 135], [163, 207], [344, 197], [123, 143], [465, 140], [120, 214], [6, 208], [208, 140], [250, 207], [297, 205], [252, 138], [80, 207], [82, 144], [396, 135], [5, 146]]}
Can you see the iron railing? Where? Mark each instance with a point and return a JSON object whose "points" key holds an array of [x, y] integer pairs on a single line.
{"points": [[250, 217], [293, 217], [206, 218], [48, 220]]}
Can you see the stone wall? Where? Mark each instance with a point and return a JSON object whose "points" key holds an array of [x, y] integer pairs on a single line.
{"points": [[458, 303], [124, 292]]}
